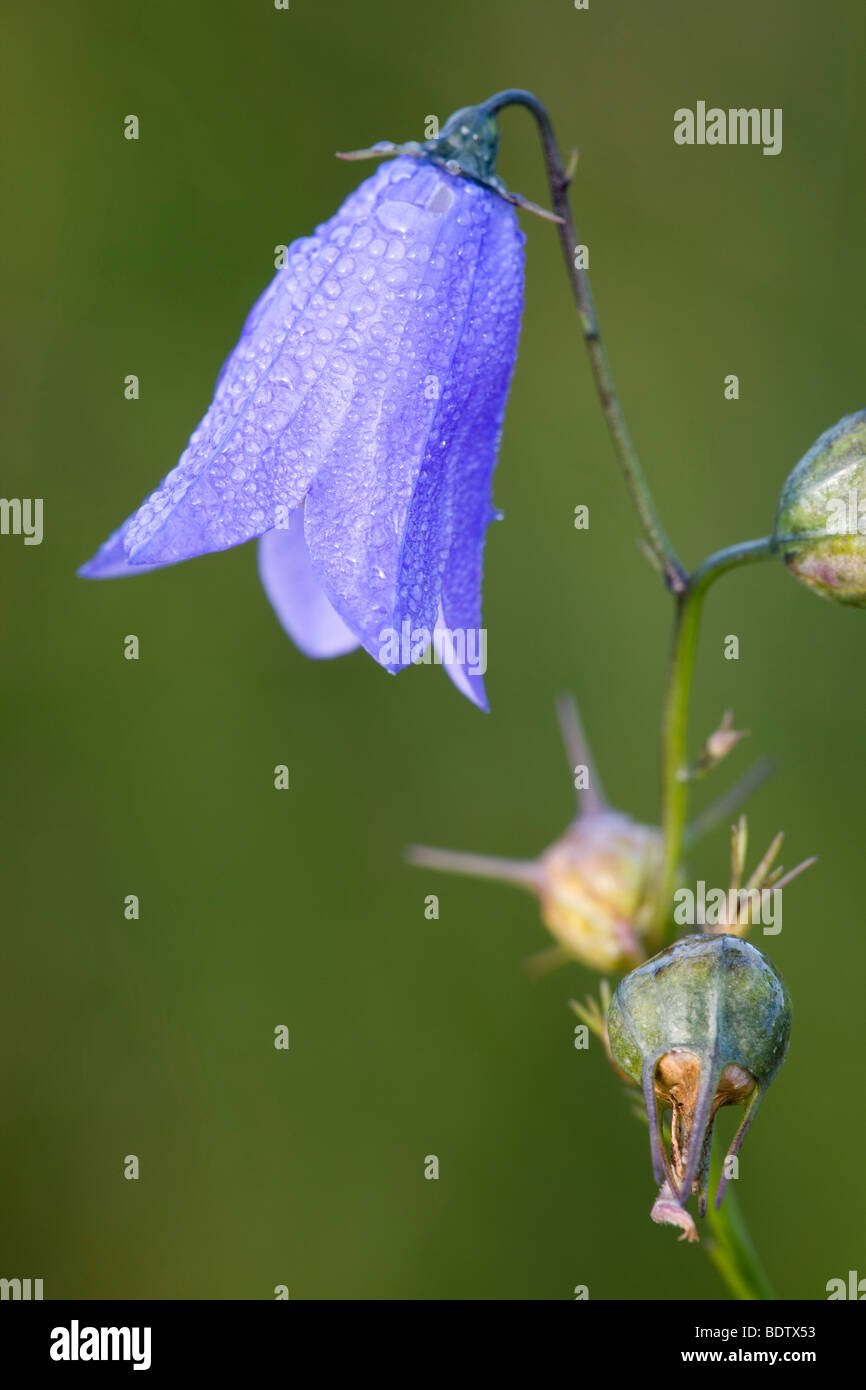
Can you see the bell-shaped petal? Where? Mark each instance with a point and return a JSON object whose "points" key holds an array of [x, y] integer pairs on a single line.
{"points": [[297, 596], [455, 507], [280, 397], [395, 520], [343, 360], [368, 388], [111, 560]]}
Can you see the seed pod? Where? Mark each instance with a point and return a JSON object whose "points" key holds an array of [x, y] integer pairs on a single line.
{"points": [[703, 1024], [597, 884], [818, 521], [598, 888]]}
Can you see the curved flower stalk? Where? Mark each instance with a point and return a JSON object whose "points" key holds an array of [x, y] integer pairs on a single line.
{"points": [[356, 424]]}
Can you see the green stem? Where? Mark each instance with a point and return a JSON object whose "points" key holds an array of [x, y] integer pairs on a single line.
{"points": [[687, 622], [689, 606], [732, 557], [731, 1249], [657, 541]]}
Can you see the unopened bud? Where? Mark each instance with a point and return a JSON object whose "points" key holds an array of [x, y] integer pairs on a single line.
{"points": [[820, 528]]}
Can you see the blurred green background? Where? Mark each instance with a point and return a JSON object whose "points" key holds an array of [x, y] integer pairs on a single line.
{"points": [[155, 777]]}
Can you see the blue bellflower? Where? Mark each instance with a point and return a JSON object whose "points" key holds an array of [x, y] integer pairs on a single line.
{"points": [[354, 429]]}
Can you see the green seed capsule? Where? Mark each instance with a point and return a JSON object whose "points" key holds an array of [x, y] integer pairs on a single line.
{"points": [[821, 518], [703, 1024]]}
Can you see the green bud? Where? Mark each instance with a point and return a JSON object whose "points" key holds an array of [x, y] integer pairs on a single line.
{"points": [[818, 530], [703, 1024]]}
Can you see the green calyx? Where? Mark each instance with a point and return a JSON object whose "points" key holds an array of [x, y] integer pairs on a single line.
{"points": [[820, 529], [467, 145]]}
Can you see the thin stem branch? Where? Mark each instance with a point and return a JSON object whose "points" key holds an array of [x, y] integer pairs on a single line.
{"points": [[729, 802], [717, 564], [659, 545]]}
